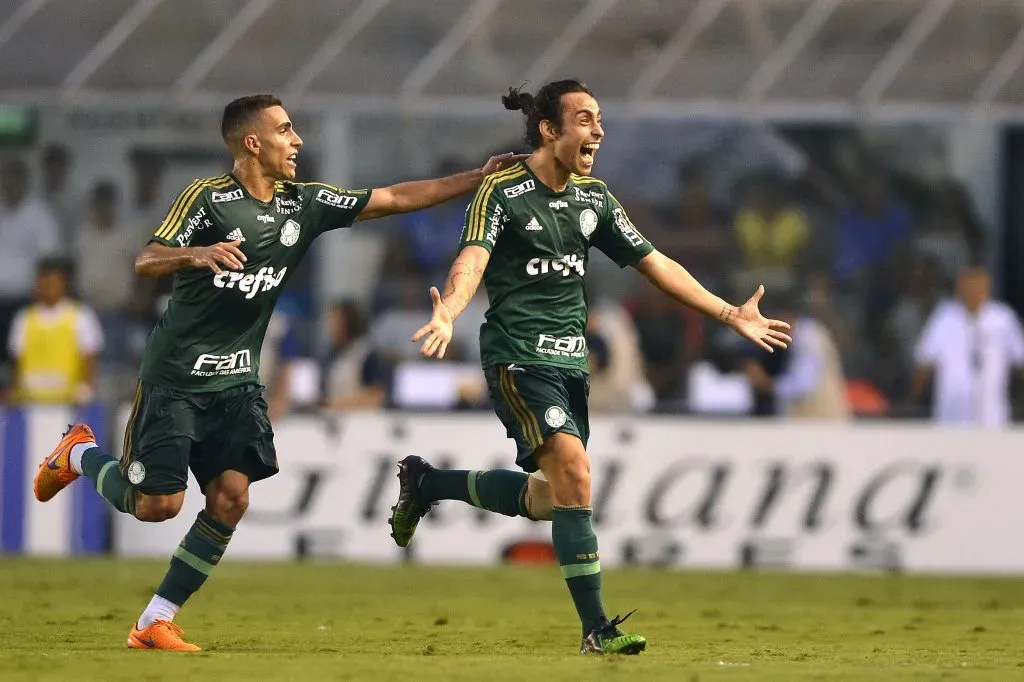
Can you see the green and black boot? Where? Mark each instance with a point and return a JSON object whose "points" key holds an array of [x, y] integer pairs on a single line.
{"points": [[406, 515], [608, 639]]}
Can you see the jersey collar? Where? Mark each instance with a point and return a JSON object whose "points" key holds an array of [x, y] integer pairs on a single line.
{"points": [[544, 188], [251, 197]]}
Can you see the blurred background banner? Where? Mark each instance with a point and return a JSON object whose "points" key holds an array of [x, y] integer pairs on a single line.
{"points": [[671, 493], [72, 524], [862, 159]]}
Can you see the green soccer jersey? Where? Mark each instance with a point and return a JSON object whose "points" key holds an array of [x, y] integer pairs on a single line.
{"points": [[210, 336], [539, 241]]}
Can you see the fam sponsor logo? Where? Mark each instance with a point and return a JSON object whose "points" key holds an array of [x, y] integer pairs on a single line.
{"points": [[253, 283], [197, 222], [626, 228], [326, 196], [222, 197], [214, 365], [566, 265], [562, 346], [520, 189]]}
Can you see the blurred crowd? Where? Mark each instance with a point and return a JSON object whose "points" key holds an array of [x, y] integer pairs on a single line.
{"points": [[882, 276]]}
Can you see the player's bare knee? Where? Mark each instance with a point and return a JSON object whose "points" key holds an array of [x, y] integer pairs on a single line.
{"points": [[228, 505], [565, 464], [157, 508]]}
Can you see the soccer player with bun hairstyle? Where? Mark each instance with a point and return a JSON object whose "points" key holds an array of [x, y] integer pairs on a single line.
{"points": [[231, 243], [527, 236]]}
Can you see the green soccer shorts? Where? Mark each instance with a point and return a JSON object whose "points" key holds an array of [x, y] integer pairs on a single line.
{"points": [[170, 432], [536, 401]]}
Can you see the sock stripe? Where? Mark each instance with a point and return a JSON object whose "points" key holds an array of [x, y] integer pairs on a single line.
{"points": [[209, 537], [192, 560], [215, 525], [103, 474], [205, 529], [579, 507], [473, 495], [578, 570]]}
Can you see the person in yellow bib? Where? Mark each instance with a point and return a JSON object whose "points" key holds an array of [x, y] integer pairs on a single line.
{"points": [[54, 341]]}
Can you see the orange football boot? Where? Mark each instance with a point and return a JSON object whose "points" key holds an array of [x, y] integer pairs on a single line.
{"points": [[162, 634], [55, 472]]}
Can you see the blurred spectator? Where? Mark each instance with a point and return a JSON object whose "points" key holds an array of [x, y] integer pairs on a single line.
{"points": [[969, 345], [147, 200], [354, 375], [870, 229], [432, 235], [106, 248], [147, 208], [617, 382], [392, 329], [953, 235], [55, 342], [663, 329], [812, 384], [56, 166], [823, 307], [280, 349], [28, 233], [694, 230], [771, 231], [920, 291]]}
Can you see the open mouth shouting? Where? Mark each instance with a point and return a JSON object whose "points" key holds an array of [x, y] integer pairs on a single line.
{"points": [[587, 153]]}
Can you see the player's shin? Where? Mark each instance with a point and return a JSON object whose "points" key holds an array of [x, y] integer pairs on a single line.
{"points": [[575, 543], [198, 554], [497, 490], [105, 473]]}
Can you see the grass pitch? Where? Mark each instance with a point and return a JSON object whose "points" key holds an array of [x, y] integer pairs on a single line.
{"points": [[68, 620]]}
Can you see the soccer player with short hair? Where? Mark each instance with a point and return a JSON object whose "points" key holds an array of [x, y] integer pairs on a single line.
{"points": [[527, 236], [231, 242]]}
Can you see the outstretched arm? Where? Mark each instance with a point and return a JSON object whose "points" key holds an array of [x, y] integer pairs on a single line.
{"points": [[463, 281], [414, 196], [746, 320]]}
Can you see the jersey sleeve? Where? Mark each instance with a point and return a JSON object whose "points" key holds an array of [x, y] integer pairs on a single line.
{"points": [[617, 238], [189, 211], [486, 217], [332, 207]]}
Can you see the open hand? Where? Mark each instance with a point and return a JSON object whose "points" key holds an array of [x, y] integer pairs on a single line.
{"points": [[438, 332], [748, 322], [225, 253], [502, 161]]}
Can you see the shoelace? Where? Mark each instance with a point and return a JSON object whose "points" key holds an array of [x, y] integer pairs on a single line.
{"points": [[172, 626], [613, 625]]}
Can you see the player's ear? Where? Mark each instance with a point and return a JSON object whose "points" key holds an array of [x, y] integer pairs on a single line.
{"points": [[548, 130], [251, 143]]}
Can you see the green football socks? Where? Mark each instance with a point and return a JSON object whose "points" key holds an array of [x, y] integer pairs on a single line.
{"points": [[196, 557], [105, 473], [575, 542], [497, 490]]}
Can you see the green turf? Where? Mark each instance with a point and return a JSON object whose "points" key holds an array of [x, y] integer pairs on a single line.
{"points": [[69, 619]]}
